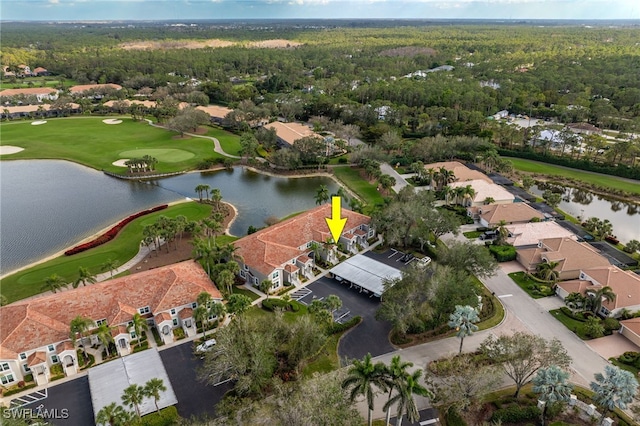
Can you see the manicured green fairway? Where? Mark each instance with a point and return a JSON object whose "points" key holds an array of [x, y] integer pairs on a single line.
{"points": [[124, 247], [592, 178], [88, 141], [351, 177], [229, 142], [164, 155]]}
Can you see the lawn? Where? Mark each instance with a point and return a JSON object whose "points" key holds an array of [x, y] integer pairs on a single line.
{"points": [[535, 289], [365, 190], [124, 247], [591, 178], [229, 142], [327, 358], [23, 83], [89, 141], [472, 234], [251, 295], [574, 325]]}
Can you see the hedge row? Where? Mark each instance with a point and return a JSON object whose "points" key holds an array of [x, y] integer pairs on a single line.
{"points": [[167, 416], [336, 327], [272, 304], [111, 233], [516, 414], [503, 253]]}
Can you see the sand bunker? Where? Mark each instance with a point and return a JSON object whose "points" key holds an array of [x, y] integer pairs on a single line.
{"points": [[38, 122], [111, 121], [275, 44], [175, 44], [120, 163], [8, 149]]}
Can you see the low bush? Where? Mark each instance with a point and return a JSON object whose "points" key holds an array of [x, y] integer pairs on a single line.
{"points": [[610, 325], [452, 418], [111, 233], [166, 417], [272, 304], [336, 327], [178, 333], [515, 414], [504, 253], [18, 390], [576, 316]]}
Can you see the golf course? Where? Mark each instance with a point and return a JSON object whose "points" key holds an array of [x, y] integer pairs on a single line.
{"points": [[91, 142]]}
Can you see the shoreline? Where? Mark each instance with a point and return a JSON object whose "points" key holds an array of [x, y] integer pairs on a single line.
{"points": [[233, 219], [84, 240]]}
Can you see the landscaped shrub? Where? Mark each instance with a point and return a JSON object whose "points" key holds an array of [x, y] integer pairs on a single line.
{"points": [[504, 253], [611, 324], [56, 369], [167, 417], [336, 327], [452, 418], [111, 233], [516, 414], [178, 333], [17, 389], [568, 312], [272, 304]]}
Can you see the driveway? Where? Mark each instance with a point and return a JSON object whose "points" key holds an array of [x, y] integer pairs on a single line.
{"points": [[612, 346], [371, 336], [195, 399]]}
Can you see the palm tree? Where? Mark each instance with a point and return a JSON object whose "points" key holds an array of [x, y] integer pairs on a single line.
{"points": [[200, 189], [84, 277], [265, 285], [393, 375], [333, 303], [597, 297], [616, 388], [153, 388], [462, 320], [217, 310], [468, 195], [225, 280], [322, 195], [551, 385], [315, 247], [200, 315], [105, 337], [503, 233], [362, 377], [547, 271], [133, 397], [78, 327], [113, 415], [54, 283], [216, 198], [408, 386], [110, 265], [139, 325]]}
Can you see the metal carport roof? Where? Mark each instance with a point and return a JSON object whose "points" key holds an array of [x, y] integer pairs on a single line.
{"points": [[366, 272], [108, 381]]}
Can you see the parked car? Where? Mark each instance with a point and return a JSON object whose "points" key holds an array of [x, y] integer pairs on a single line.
{"points": [[202, 348], [424, 261]]}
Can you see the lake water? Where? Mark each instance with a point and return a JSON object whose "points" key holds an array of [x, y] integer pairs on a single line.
{"points": [[49, 205], [625, 217]]}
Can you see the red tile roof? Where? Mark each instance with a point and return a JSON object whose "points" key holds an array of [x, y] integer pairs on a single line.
{"points": [[161, 317], [185, 313], [36, 358], [28, 91], [276, 245], [65, 346], [84, 87], [33, 323]]}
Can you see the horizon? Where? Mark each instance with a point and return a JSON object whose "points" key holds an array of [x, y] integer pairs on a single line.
{"points": [[178, 10]]}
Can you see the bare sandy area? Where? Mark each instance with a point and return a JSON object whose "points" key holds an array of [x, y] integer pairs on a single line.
{"points": [[175, 44], [9, 149], [111, 121], [38, 122], [120, 162], [275, 44]]}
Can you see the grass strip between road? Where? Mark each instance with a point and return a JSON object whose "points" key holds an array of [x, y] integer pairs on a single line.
{"points": [[123, 248], [581, 175], [352, 179]]}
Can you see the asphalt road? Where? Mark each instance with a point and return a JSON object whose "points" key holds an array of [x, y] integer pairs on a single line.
{"points": [[67, 404], [371, 336], [195, 399]]}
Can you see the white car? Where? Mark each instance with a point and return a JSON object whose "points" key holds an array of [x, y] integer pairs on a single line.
{"points": [[206, 346], [424, 261]]}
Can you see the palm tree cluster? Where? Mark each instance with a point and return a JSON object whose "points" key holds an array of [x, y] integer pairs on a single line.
{"points": [[207, 310], [368, 379], [592, 299], [165, 229], [214, 195], [600, 228], [133, 396], [141, 165]]}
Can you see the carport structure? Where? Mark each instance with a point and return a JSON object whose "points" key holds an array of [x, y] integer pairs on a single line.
{"points": [[365, 274], [108, 381]]}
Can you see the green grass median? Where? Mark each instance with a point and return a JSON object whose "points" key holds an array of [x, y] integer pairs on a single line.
{"points": [[123, 248], [365, 190]]}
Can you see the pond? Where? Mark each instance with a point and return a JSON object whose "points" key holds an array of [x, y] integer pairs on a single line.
{"points": [[581, 204], [50, 205]]}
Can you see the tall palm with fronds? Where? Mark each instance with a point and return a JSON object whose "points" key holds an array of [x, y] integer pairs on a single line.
{"points": [[552, 386], [217, 310], [216, 198], [54, 283], [113, 415], [265, 286], [322, 195], [105, 337], [200, 315], [462, 320], [393, 375], [363, 376], [225, 280], [547, 271], [153, 388], [598, 295], [408, 387], [139, 324], [110, 265], [77, 328], [84, 277], [468, 195], [133, 396]]}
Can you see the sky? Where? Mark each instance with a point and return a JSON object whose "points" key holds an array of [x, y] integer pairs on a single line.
{"points": [[97, 10]]}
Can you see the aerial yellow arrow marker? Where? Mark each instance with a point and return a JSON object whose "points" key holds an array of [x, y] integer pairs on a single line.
{"points": [[336, 223]]}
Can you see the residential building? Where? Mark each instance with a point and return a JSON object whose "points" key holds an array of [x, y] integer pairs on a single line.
{"points": [[288, 133], [485, 191], [500, 114], [80, 89], [284, 252], [460, 171], [630, 329], [40, 71], [216, 112], [35, 111], [529, 234], [625, 285], [493, 214], [35, 332], [572, 256], [41, 93], [584, 128]]}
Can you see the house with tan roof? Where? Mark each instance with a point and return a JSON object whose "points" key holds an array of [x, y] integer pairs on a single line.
{"points": [[216, 112], [493, 214], [625, 285], [80, 89], [584, 128], [528, 234], [35, 111], [284, 252], [571, 255], [460, 171], [35, 332], [41, 93], [485, 191], [38, 71], [630, 329], [288, 133]]}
